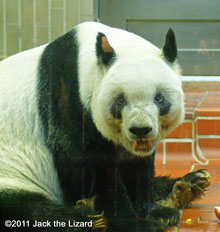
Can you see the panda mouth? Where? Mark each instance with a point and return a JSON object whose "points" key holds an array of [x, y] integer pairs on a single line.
{"points": [[142, 145]]}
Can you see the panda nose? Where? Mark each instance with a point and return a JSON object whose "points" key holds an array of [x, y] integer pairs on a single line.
{"points": [[140, 131]]}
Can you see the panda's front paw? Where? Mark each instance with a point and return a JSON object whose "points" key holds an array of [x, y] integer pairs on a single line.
{"points": [[165, 215], [181, 195], [86, 206], [199, 181]]}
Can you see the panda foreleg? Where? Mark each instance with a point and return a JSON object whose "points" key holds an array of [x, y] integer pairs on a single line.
{"points": [[149, 208], [32, 208], [142, 190], [113, 199], [162, 186]]}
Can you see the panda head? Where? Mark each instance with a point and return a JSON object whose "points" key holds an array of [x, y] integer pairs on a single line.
{"points": [[137, 99]]}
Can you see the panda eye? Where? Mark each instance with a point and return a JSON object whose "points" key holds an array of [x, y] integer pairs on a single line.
{"points": [[162, 103], [158, 98], [120, 100], [119, 103]]}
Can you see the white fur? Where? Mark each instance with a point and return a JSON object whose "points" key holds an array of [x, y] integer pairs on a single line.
{"points": [[139, 70], [25, 162]]}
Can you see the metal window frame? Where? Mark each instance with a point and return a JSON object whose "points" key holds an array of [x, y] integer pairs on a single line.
{"points": [[196, 151]]}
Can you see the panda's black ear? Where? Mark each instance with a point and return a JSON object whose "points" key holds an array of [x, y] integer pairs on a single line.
{"points": [[104, 50], [169, 48]]}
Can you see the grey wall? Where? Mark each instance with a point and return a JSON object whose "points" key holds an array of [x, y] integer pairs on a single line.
{"points": [[29, 23], [196, 24]]}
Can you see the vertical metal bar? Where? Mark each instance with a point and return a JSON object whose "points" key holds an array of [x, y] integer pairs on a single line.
{"points": [[64, 16], [34, 24], [4, 29], [116, 189], [19, 26], [164, 152], [96, 10], [79, 12], [49, 21], [193, 139]]}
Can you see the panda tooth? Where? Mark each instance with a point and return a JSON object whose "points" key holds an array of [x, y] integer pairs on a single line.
{"points": [[149, 145], [135, 145], [142, 145]]}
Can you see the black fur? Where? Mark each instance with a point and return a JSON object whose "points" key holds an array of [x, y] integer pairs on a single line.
{"points": [[106, 57], [170, 48]]}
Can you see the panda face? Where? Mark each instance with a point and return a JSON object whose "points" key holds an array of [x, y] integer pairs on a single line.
{"points": [[131, 88], [139, 103]]}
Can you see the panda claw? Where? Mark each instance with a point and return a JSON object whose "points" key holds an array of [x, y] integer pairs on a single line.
{"points": [[99, 223], [96, 215], [200, 180], [100, 220], [102, 227]]}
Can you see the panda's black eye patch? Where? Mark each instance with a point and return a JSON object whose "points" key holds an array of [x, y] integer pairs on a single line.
{"points": [[162, 103], [118, 106]]}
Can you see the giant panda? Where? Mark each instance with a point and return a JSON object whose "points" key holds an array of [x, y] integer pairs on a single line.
{"points": [[80, 121]]}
